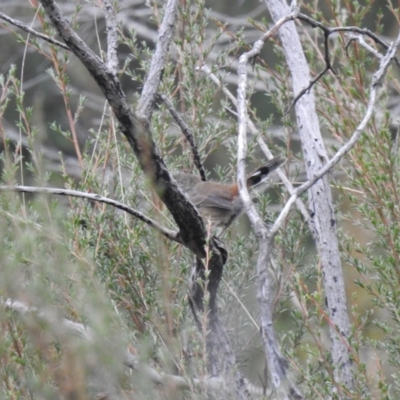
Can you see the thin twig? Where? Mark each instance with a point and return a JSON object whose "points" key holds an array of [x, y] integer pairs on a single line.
{"points": [[96, 197], [306, 89], [25, 28], [187, 133], [375, 84], [327, 32], [360, 39], [354, 29]]}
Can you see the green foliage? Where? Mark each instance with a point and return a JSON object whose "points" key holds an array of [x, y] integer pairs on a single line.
{"points": [[91, 264]]}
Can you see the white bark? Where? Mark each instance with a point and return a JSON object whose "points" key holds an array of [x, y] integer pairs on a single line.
{"points": [[322, 219]]}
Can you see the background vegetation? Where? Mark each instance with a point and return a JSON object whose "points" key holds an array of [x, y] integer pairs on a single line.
{"points": [[76, 260]]}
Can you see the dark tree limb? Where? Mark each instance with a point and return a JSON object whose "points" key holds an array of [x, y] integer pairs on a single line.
{"points": [[139, 136], [187, 133], [217, 363], [136, 130]]}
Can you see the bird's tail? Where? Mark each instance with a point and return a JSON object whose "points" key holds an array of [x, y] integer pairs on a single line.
{"points": [[261, 173]]}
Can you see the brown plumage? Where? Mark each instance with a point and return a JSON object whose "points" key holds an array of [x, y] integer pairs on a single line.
{"points": [[219, 202]]}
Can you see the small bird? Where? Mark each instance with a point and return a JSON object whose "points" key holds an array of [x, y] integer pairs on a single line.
{"points": [[220, 203]]}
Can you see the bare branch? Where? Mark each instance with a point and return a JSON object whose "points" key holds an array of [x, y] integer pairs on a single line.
{"points": [[100, 199], [112, 36], [25, 28], [242, 121], [187, 133], [327, 32], [355, 29], [250, 125], [150, 88], [277, 365], [360, 39], [375, 84]]}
